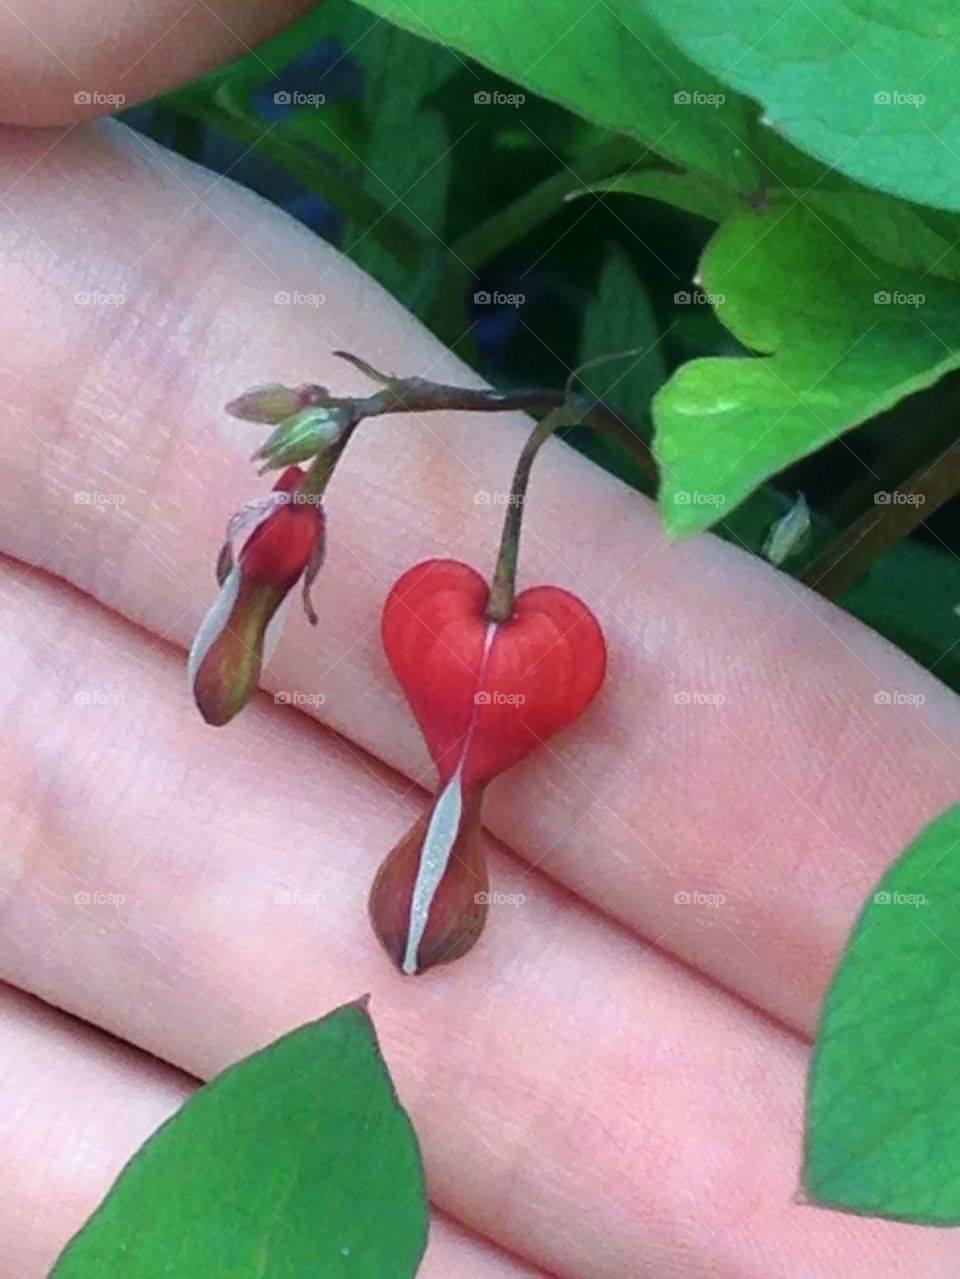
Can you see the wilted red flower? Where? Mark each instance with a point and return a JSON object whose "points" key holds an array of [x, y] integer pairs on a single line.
{"points": [[283, 542], [485, 695]]}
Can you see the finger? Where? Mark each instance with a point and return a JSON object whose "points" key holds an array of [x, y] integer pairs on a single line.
{"points": [[785, 799], [77, 1105], [62, 62], [589, 1104]]}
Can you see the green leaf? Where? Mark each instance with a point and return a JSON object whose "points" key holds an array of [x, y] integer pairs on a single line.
{"points": [[837, 355], [883, 1119], [902, 234], [297, 1161], [898, 232], [684, 191], [622, 318], [867, 88], [610, 63]]}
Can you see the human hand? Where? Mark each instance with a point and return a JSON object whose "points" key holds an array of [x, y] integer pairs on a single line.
{"points": [[611, 1084]]}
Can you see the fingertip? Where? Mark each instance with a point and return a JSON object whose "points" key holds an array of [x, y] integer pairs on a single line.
{"points": [[66, 62]]}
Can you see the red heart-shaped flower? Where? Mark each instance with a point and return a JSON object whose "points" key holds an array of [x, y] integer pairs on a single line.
{"points": [[484, 693]]}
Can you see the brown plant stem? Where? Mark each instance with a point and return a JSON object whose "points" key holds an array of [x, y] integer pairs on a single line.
{"points": [[852, 553], [416, 395], [503, 588]]}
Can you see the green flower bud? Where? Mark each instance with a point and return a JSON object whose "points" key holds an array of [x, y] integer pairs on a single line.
{"points": [[272, 403], [302, 436]]}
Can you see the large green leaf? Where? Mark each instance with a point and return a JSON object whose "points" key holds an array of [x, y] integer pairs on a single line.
{"points": [[296, 1162], [900, 233], [883, 1109], [897, 231], [868, 87], [837, 354], [608, 62]]}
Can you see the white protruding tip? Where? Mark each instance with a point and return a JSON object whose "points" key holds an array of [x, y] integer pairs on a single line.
{"points": [[434, 859]]}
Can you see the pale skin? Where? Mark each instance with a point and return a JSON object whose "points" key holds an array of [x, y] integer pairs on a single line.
{"points": [[611, 1083]]}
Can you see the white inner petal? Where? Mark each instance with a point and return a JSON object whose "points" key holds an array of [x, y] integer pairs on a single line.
{"points": [[434, 857], [441, 836], [213, 624]]}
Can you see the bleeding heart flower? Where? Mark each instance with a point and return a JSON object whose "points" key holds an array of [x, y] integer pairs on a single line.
{"points": [[485, 695], [283, 542]]}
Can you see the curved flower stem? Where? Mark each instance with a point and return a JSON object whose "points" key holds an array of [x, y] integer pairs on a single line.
{"points": [[605, 419], [504, 585], [416, 395]]}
